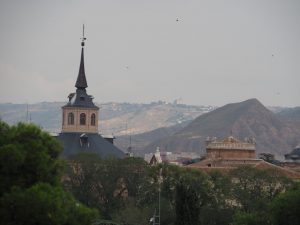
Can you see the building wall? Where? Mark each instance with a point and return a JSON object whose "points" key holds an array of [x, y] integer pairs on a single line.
{"points": [[230, 153], [76, 127]]}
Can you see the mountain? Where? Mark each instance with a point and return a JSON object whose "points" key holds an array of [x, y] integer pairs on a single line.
{"points": [[277, 109], [245, 119], [291, 114], [116, 118], [172, 127], [140, 141]]}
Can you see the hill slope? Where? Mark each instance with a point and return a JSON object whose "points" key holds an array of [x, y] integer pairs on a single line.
{"points": [[291, 114], [140, 141], [116, 118], [245, 119], [147, 117]]}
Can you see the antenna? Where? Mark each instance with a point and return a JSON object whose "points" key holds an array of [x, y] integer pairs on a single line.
{"points": [[83, 37], [27, 111]]}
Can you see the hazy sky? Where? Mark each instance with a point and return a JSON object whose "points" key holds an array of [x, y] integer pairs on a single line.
{"points": [[136, 50]]}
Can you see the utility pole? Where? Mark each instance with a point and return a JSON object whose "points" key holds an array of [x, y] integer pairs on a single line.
{"points": [[156, 217], [159, 193], [27, 113]]}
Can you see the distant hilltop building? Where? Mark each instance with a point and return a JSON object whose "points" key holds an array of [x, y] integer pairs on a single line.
{"points": [[80, 121]]}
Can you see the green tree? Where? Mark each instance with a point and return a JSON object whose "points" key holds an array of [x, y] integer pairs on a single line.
{"points": [[191, 195], [30, 174], [248, 218], [133, 214], [132, 170], [254, 189], [95, 182], [252, 192], [219, 200], [4, 131], [104, 183], [45, 205], [81, 178], [286, 207], [27, 156], [188, 196]]}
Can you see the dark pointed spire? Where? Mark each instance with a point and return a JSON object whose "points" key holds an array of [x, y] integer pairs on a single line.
{"points": [[81, 79]]}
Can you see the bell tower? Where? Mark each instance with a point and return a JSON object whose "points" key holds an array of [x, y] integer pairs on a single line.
{"points": [[80, 114]]}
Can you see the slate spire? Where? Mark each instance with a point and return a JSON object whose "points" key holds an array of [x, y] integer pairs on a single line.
{"points": [[81, 79]]}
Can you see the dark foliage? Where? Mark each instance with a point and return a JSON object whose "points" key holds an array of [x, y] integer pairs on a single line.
{"points": [[30, 174]]}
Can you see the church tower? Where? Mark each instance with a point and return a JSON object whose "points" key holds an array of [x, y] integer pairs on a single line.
{"points": [[80, 122], [80, 114]]}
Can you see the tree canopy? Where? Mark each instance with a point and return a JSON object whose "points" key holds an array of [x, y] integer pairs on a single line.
{"points": [[30, 180], [45, 205], [28, 156], [286, 207], [127, 190]]}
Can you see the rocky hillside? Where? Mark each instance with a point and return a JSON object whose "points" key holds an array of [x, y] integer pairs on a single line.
{"points": [[250, 118]]}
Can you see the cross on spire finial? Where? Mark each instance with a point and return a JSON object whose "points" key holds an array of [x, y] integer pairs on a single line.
{"points": [[83, 37], [81, 79]]}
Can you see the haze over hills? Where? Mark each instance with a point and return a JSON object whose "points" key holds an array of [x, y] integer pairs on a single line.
{"points": [[146, 117], [116, 118], [290, 114], [45, 114], [250, 118], [172, 127]]}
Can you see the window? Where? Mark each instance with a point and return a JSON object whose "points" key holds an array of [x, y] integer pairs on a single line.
{"points": [[71, 118], [82, 119], [93, 119], [84, 140]]}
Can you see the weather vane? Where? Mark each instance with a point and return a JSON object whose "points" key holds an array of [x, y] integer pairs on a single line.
{"points": [[83, 38]]}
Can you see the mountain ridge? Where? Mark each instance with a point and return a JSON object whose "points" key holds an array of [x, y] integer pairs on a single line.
{"points": [[158, 119], [249, 118]]}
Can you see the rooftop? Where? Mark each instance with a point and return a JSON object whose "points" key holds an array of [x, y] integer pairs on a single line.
{"points": [[231, 143]]}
